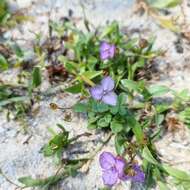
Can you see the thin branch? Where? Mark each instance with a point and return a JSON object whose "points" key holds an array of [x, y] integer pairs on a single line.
{"points": [[7, 179]]}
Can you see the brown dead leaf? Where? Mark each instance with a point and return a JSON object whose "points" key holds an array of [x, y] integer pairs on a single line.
{"points": [[5, 51], [56, 72], [173, 124]]}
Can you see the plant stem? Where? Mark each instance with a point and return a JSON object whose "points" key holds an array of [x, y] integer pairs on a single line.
{"points": [[79, 136], [10, 181]]}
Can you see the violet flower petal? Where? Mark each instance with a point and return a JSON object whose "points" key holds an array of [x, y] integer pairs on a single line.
{"points": [[140, 176], [120, 166], [110, 98], [104, 46], [110, 177], [107, 50], [97, 92], [104, 50], [112, 51], [108, 84], [104, 55], [107, 160]]}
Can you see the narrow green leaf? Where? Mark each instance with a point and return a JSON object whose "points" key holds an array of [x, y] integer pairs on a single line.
{"points": [[146, 154], [130, 85], [160, 4], [109, 30], [30, 182], [36, 77], [159, 118], [158, 90], [162, 186], [3, 63], [91, 74], [14, 100], [136, 128], [75, 89], [119, 144], [181, 175]]}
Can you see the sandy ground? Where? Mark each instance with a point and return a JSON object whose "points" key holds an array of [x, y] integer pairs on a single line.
{"points": [[18, 159]]}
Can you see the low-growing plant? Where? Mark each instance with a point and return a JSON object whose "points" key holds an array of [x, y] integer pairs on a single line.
{"points": [[127, 56], [105, 66]]}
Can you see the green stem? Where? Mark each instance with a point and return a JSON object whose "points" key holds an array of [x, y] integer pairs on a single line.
{"points": [[130, 74]]}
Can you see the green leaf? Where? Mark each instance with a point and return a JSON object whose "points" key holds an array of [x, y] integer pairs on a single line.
{"points": [[4, 11], [17, 50], [148, 168], [48, 151], [159, 118], [139, 135], [75, 89], [181, 175], [120, 107], [122, 99], [139, 64], [136, 128], [158, 90], [161, 4], [46, 182], [71, 170], [168, 24], [14, 100], [114, 109], [162, 186], [109, 30], [98, 107], [104, 121], [3, 63], [71, 67], [146, 154], [91, 62], [80, 107], [104, 188], [56, 144], [160, 108], [5, 92], [30, 182], [91, 126], [130, 85], [116, 126], [182, 95], [184, 116], [91, 74], [119, 144], [36, 77]]}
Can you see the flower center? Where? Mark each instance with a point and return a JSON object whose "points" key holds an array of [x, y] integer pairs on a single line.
{"points": [[104, 92], [130, 172]]}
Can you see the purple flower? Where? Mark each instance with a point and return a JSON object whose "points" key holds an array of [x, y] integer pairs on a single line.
{"points": [[104, 92], [116, 168], [113, 168], [134, 173], [107, 51]]}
